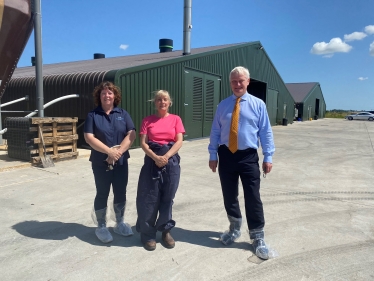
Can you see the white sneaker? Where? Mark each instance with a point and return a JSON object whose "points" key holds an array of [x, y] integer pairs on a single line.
{"points": [[123, 228], [103, 234]]}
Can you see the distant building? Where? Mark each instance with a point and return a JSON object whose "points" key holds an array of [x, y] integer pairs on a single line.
{"points": [[309, 100]]}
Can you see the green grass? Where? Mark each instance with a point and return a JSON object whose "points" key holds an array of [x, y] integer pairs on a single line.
{"points": [[337, 113]]}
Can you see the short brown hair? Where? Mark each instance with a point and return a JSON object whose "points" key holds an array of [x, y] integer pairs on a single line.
{"points": [[110, 86]]}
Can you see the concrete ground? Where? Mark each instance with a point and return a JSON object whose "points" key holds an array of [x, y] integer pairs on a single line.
{"points": [[318, 202]]}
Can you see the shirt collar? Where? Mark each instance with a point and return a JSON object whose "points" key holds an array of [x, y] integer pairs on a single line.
{"points": [[243, 97], [100, 109]]}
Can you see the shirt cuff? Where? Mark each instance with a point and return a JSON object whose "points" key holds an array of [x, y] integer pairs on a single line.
{"points": [[213, 157], [268, 158]]}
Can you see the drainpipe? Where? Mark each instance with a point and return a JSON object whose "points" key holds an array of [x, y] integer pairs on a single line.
{"points": [[187, 26], [14, 101], [38, 58], [52, 102]]}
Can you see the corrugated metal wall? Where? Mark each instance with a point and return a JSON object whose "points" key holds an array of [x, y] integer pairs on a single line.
{"points": [[137, 84], [54, 86], [137, 90]]}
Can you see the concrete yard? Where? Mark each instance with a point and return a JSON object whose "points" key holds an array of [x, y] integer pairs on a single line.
{"points": [[318, 202]]}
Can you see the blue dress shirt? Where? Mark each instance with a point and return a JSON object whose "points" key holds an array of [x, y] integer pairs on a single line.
{"points": [[254, 124]]}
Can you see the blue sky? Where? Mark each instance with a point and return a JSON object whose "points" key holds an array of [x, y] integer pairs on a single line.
{"points": [[325, 41]]}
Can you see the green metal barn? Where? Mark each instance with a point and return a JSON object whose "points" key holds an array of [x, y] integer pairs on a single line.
{"points": [[310, 103], [196, 82]]}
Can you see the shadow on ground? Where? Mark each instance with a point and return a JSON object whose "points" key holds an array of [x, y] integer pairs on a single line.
{"points": [[54, 230], [6, 158]]}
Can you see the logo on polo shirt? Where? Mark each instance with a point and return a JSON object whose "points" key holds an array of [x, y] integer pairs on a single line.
{"points": [[120, 118]]}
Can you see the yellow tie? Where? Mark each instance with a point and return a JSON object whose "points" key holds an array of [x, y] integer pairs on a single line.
{"points": [[233, 139]]}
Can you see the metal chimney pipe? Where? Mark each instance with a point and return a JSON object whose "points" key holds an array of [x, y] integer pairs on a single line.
{"points": [[38, 58], [187, 26]]}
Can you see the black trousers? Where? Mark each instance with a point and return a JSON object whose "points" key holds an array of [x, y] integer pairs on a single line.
{"points": [[243, 164], [118, 178]]}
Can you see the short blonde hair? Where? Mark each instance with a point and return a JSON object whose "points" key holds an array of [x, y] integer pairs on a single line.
{"points": [[161, 93], [240, 70]]}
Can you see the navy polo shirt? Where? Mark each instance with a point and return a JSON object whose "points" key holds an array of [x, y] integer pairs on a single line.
{"points": [[110, 129]]}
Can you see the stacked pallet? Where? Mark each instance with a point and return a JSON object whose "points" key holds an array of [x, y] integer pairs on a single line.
{"points": [[25, 138]]}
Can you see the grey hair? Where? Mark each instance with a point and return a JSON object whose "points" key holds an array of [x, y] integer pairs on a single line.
{"points": [[161, 93], [240, 70]]}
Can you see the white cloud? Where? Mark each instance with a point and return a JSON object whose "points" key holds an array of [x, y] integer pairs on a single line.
{"points": [[328, 56], [371, 49], [369, 29], [363, 78], [336, 45], [123, 47], [354, 36]]}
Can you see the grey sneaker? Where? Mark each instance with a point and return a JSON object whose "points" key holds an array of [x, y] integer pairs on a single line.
{"points": [[260, 248], [103, 234], [123, 228]]}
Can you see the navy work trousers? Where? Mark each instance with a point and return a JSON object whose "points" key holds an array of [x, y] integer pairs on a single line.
{"points": [[156, 191], [118, 178], [243, 164]]}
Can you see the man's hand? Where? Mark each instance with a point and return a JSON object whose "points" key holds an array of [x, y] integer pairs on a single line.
{"points": [[213, 165], [266, 167]]}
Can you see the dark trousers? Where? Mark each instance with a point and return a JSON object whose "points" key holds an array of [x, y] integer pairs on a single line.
{"points": [[243, 164], [117, 177], [155, 197]]}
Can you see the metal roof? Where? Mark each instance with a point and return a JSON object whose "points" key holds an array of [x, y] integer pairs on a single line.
{"points": [[107, 64], [299, 91]]}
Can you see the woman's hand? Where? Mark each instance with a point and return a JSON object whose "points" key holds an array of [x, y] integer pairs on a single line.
{"points": [[114, 153], [161, 161], [110, 160]]}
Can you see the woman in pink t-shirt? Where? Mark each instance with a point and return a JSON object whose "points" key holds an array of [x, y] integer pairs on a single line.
{"points": [[161, 136]]}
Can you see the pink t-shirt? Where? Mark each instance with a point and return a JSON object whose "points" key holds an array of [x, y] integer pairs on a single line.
{"points": [[162, 130]]}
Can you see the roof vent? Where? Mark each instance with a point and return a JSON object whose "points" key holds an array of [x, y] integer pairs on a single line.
{"points": [[99, 56], [165, 45]]}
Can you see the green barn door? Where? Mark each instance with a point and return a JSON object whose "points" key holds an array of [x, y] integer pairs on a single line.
{"points": [[193, 105], [202, 93], [272, 105]]}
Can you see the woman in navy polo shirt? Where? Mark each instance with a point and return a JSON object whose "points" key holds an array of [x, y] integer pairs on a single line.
{"points": [[110, 132]]}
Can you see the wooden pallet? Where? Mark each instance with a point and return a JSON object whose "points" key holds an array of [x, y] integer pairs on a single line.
{"points": [[59, 135]]}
